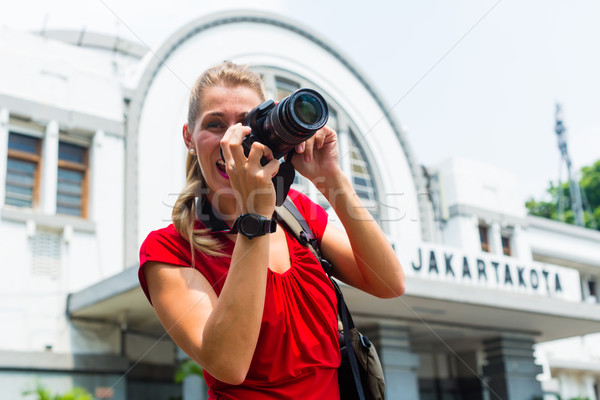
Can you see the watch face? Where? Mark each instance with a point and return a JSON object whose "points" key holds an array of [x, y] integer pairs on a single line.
{"points": [[250, 225]]}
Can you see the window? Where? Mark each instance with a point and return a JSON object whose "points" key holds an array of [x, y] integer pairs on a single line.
{"points": [[284, 87], [360, 171], [71, 189], [506, 246], [353, 160], [23, 170], [483, 237], [592, 288]]}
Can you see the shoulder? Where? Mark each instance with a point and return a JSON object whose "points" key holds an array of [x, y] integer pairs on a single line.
{"points": [[165, 245], [308, 208], [313, 213]]}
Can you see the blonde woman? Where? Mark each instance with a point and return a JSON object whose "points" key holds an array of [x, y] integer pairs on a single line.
{"points": [[258, 313]]}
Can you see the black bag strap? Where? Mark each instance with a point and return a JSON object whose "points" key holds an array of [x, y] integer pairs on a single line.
{"points": [[289, 216]]}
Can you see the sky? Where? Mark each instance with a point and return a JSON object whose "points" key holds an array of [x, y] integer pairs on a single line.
{"points": [[472, 79]]}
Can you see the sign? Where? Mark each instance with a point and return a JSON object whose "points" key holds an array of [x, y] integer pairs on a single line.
{"points": [[104, 393], [438, 262]]}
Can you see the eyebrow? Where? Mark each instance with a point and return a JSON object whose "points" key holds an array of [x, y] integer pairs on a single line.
{"points": [[220, 114]]}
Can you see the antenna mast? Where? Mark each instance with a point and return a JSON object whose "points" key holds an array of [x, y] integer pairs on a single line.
{"points": [[574, 189]]}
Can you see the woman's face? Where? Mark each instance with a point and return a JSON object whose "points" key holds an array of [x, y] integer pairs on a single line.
{"points": [[220, 108]]}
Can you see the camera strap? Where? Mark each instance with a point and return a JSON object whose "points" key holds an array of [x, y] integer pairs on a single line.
{"points": [[283, 180]]}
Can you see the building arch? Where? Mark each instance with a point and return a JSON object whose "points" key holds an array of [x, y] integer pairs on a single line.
{"points": [[267, 37]]}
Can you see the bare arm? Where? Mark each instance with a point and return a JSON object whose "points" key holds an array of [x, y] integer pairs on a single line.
{"points": [[361, 255], [219, 333]]}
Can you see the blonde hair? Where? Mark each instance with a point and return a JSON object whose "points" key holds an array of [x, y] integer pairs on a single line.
{"points": [[226, 74]]}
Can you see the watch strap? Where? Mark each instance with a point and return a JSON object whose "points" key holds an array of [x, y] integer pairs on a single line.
{"points": [[263, 225]]}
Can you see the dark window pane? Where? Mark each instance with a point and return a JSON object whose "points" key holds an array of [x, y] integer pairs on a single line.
{"points": [[284, 87], [14, 201], [506, 246], [61, 209], [71, 152], [19, 182], [360, 181], [483, 236], [70, 175], [68, 200], [27, 144], [69, 192]]}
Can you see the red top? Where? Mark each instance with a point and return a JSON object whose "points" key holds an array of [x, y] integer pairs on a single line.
{"points": [[297, 354]]}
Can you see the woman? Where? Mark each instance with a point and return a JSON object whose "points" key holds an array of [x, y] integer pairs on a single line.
{"points": [[258, 314]]}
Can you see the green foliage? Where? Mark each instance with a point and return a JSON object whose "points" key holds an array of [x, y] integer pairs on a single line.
{"points": [[41, 393], [187, 368], [590, 185]]}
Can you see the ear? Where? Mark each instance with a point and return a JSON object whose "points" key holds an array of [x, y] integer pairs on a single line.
{"points": [[187, 136]]}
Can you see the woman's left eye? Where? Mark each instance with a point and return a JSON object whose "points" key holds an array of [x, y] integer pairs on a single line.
{"points": [[213, 125]]}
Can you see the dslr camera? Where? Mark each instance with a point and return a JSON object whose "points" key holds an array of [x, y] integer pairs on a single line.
{"points": [[282, 126]]}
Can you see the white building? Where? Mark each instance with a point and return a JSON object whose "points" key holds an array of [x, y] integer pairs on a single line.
{"points": [[91, 158]]}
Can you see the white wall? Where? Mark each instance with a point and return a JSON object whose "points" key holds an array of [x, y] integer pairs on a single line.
{"points": [[161, 151]]}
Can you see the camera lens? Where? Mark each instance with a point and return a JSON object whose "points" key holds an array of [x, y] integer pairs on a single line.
{"points": [[293, 120], [307, 109]]}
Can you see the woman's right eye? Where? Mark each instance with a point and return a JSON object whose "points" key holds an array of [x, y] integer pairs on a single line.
{"points": [[213, 125]]}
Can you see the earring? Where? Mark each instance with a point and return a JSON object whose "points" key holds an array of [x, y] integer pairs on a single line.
{"points": [[192, 151]]}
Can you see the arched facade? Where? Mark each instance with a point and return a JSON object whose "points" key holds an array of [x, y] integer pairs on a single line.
{"points": [[486, 284], [282, 51]]}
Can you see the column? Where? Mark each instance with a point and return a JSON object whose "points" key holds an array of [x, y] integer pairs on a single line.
{"points": [[96, 169], [398, 362], [522, 248], [3, 152], [468, 375], [193, 387], [511, 372], [495, 238], [49, 168]]}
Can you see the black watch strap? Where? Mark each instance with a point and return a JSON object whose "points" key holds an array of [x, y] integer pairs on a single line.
{"points": [[253, 225]]}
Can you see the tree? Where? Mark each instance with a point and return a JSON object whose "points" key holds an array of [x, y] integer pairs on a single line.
{"points": [[41, 393], [590, 185]]}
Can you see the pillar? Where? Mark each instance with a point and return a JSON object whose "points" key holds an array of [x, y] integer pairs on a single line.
{"points": [[511, 372], [4, 116], [399, 363], [50, 168]]}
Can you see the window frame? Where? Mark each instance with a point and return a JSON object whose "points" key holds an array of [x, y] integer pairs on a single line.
{"points": [[79, 167], [505, 240], [484, 237], [344, 126], [28, 157]]}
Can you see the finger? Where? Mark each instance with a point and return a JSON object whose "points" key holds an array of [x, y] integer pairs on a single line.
{"points": [[271, 168], [300, 148], [257, 151], [320, 137], [232, 142], [308, 149]]}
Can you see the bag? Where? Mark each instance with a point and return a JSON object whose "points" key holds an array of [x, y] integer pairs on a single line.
{"points": [[360, 375]]}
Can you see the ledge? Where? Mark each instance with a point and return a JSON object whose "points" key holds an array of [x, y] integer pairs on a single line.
{"points": [[41, 361], [48, 221]]}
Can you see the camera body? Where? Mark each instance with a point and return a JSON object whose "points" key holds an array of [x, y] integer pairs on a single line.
{"points": [[286, 124]]}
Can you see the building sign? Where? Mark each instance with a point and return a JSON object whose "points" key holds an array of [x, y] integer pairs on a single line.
{"points": [[437, 262]]}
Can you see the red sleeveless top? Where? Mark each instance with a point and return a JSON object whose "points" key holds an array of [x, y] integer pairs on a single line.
{"points": [[297, 354]]}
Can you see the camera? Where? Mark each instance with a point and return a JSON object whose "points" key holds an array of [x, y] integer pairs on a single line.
{"points": [[282, 126]]}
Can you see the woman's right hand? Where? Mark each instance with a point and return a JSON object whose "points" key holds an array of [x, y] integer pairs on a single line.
{"points": [[251, 182]]}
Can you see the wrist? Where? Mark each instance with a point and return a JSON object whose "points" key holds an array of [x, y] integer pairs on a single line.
{"points": [[253, 225], [329, 185]]}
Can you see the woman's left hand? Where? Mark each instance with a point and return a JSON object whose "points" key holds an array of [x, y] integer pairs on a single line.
{"points": [[318, 157]]}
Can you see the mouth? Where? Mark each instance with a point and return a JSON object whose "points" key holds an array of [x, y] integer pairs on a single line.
{"points": [[221, 168]]}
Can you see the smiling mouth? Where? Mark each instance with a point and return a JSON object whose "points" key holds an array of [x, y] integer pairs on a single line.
{"points": [[221, 167]]}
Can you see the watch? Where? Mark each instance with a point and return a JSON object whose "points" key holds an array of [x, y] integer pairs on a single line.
{"points": [[253, 225]]}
